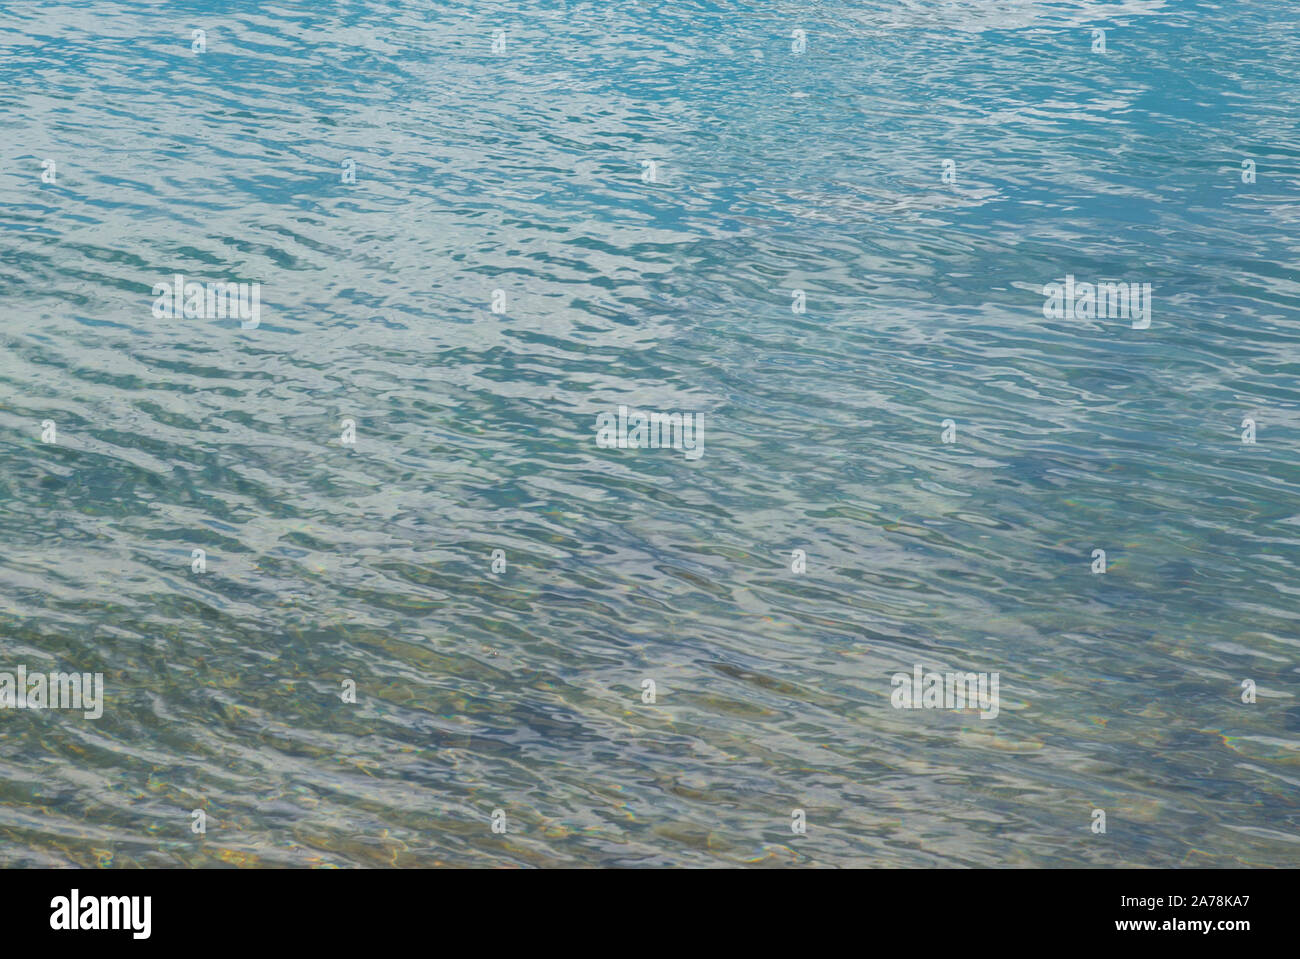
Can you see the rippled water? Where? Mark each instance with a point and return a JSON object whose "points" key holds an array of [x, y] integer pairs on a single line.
{"points": [[521, 690]]}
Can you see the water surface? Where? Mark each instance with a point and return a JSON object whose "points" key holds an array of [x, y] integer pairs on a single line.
{"points": [[522, 171]]}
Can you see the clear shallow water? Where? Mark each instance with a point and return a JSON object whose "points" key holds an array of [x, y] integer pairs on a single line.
{"points": [[522, 171]]}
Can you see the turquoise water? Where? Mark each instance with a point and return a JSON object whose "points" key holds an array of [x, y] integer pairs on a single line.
{"points": [[522, 170]]}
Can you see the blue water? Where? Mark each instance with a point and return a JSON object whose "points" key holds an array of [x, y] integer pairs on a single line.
{"points": [[519, 691]]}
